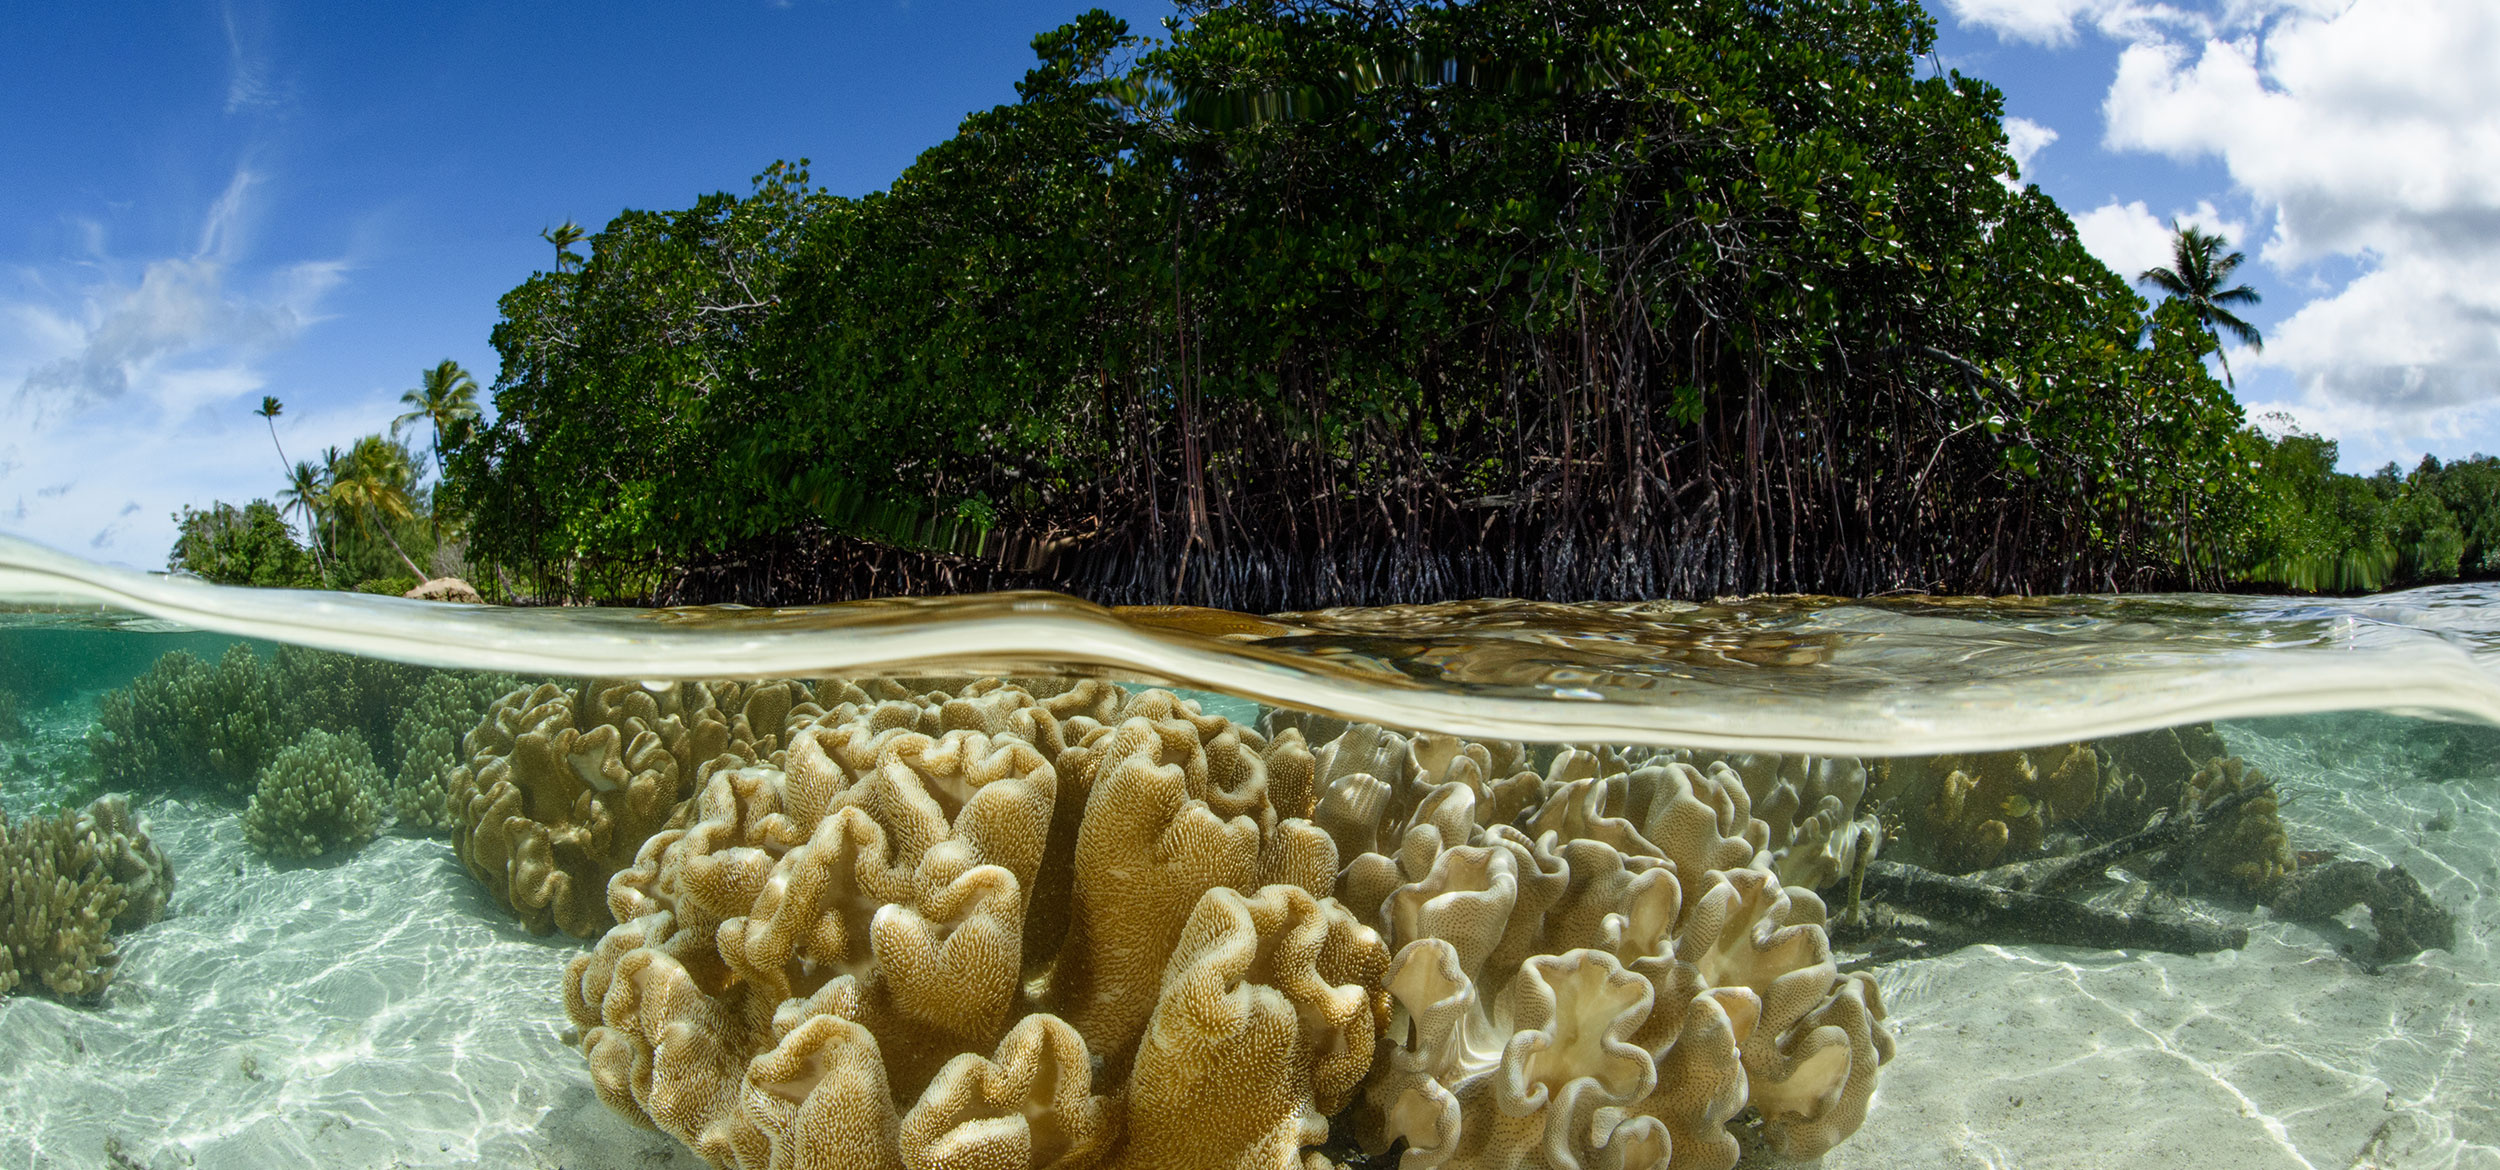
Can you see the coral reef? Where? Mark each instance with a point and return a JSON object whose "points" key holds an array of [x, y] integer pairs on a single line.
{"points": [[71, 881], [426, 742], [852, 934], [1811, 805], [1963, 813], [1616, 983], [2248, 852], [185, 724], [328, 691], [2146, 772], [561, 785], [317, 795], [993, 929]]}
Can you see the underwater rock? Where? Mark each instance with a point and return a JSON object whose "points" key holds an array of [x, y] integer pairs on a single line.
{"points": [[68, 882], [2401, 911], [317, 795]]}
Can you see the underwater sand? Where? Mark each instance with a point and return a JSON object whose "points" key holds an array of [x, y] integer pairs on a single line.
{"points": [[381, 1012], [2284, 1054], [377, 1013]]}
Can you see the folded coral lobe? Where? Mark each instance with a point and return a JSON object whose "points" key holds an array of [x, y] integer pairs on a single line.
{"points": [[989, 930]]}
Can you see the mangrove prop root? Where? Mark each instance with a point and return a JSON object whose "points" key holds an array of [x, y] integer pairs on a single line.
{"points": [[2013, 915]]}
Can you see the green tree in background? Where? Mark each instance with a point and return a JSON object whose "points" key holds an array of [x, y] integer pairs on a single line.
{"points": [[2198, 270], [564, 236], [240, 546], [445, 399], [307, 495], [1316, 302], [370, 485], [270, 409]]}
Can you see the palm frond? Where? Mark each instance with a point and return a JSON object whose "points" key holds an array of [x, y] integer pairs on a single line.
{"points": [[2246, 332]]}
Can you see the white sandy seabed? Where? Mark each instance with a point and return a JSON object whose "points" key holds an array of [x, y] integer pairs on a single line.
{"points": [[381, 1013]]}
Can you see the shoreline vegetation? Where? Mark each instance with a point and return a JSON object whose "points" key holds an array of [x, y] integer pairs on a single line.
{"points": [[1318, 303]]}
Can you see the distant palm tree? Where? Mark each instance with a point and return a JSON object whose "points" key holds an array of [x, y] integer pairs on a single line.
{"points": [[564, 237], [446, 399], [308, 496], [2197, 273], [270, 409], [371, 484]]}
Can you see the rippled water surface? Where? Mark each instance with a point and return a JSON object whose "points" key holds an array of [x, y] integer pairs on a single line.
{"points": [[1626, 836]]}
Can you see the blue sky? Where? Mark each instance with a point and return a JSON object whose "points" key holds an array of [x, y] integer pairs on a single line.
{"points": [[204, 203]]}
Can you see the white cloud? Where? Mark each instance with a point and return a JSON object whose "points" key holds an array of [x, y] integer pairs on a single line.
{"points": [[2053, 22], [2371, 131], [132, 392], [2129, 238], [2025, 139]]}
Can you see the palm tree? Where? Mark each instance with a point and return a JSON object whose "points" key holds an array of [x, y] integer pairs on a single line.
{"points": [[564, 237], [446, 399], [371, 484], [2197, 273], [308, 496], [270, 409]]}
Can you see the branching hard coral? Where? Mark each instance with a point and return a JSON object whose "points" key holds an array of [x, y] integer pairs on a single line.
{"points": [[834, 964], [185, 724], [316, 796], [426, 743], [328, 691], [68, 882]]}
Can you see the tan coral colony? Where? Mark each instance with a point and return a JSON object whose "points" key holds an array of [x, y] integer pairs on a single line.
{"points": [[993, 928]]}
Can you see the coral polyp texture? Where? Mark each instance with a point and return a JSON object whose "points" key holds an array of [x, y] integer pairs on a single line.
{"points": [[560, 785], [188, 724], [427, 738], [316, 796], [1094, 928], [68, 883]]}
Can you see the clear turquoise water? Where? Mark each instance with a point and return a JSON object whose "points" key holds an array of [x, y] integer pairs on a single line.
{"points": [[377, 1005]]}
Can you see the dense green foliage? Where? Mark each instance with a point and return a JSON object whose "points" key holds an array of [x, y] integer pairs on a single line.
{"points": [[369, 523], [1321, 302], [2320, 531], [241, 546]]}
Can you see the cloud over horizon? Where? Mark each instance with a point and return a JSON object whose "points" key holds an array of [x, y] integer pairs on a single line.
{"points": [[2365, 135], [145, 359]]}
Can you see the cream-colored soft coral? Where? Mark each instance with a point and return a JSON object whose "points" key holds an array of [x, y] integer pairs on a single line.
{"points": [[859, 921], [1168, 817], [563, 785], [1701, 821], [1269, 1009], [1742, 1002], [1811, 807]]}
